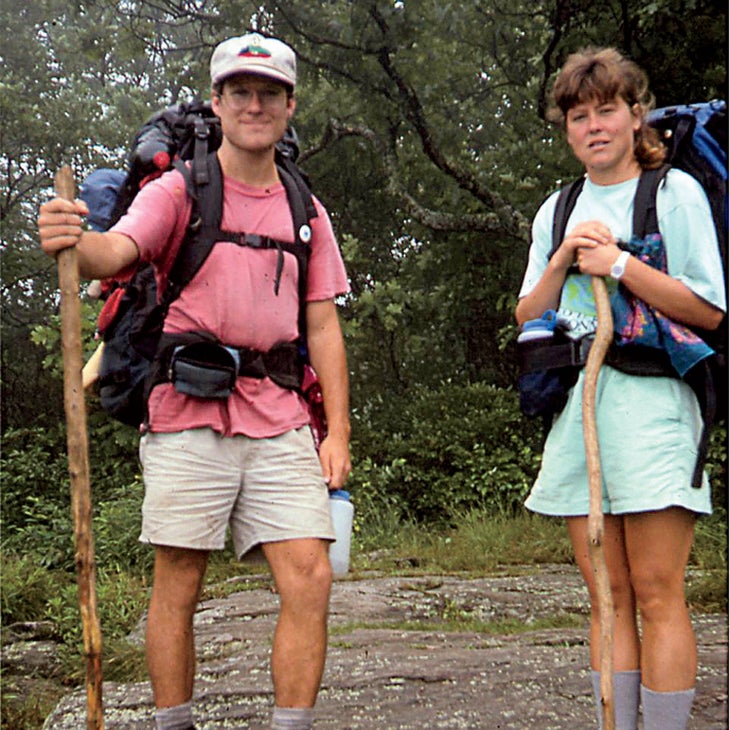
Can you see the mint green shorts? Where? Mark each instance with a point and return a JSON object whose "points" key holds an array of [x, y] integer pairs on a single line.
{"points": [[648, 431]]}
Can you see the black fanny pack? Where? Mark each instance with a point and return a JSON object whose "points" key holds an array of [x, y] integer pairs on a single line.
{"points": [[549, 368], [204, 368]]}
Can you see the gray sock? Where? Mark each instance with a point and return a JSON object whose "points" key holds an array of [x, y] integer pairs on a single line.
{"points": [[625, 698], [292, 718], [179, 717], [666, 710]]}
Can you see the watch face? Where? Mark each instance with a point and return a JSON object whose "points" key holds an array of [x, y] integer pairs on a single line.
{"points": [[619, 266]]}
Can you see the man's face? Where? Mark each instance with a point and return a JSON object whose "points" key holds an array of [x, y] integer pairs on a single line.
{"points": [[254, 111]]}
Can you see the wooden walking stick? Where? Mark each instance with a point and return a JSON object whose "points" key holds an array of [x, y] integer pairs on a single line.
{"points": [[78, 464], [604, 335]]}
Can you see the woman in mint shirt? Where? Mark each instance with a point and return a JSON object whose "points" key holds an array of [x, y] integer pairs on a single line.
{"points": [[648, 427]]}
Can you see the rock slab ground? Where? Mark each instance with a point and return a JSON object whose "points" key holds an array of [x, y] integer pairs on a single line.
{"points": [[382, 674]]}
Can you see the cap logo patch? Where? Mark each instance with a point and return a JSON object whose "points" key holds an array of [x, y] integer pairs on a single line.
{"points": [[254, 52]]}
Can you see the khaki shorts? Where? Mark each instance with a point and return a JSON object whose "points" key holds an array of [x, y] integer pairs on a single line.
{"points": [[198, 483]]}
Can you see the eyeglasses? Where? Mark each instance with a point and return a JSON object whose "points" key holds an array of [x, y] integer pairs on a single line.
{"points": [[241, 98]]}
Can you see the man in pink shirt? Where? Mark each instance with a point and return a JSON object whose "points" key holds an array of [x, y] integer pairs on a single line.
{"points": [[247, 462]]}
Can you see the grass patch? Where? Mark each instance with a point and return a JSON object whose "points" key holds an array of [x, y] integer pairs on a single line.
{"points": [[121, 601], [26, 586], [476, 543], [26, 703], [481, 544], [707, 592], [226, 575], [710, 548], [467, 624], [235, 584], [340, 644], [123, 661], [707, 585]]}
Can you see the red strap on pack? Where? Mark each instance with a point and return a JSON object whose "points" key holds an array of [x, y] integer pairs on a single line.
{"points": [[109, 310], [315, 403]]}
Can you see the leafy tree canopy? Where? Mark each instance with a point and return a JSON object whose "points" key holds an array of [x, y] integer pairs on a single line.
{"points": [[423, 129]]}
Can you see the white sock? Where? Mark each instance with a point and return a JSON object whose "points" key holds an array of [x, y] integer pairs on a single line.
{"points": [[292, 718], [625, 698], [179, 717], [666, 710]]}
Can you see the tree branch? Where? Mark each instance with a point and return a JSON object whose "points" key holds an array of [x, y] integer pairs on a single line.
{"points": [[501, 216], [509, 221]]}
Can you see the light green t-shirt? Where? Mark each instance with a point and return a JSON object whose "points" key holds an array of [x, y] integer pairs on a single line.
{"points": [[685, 222]]}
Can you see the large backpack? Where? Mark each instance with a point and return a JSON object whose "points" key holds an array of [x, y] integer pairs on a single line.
{"points": [[133, 315], [696, 137]]}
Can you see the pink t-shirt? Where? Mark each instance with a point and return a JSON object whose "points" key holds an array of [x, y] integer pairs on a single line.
{"points": [[232, 296]]}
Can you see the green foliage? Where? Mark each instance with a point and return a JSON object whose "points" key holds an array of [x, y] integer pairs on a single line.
{"points": [[438, 453], [433, 456], [121, 600], [717, 470], [117, 525], [36, 500], [26, 586], [35, 496]]}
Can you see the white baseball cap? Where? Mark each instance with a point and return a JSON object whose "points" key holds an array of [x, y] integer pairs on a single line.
{"points": [[254, 54]]}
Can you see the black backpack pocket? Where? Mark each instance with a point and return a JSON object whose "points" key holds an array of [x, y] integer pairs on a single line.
{"points": [[549, 368], [545, 393], [204, 370]]}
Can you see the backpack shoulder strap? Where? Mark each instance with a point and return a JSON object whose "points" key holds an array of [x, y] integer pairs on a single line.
{"points": [[205, 219], [204, 227], [287, 165], [563, 208], [201, 132], [301, 205], [645, 217], [298, 204]]}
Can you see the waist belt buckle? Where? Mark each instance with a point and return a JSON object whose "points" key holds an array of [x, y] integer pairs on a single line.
{"points": [[251, 364]]}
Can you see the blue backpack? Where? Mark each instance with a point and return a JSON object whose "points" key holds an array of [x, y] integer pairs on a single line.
{"points": [[696, 137]]}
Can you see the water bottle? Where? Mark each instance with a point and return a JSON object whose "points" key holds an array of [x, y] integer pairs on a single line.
{"points": [[539, 329], [342, 512], [153, 151]]}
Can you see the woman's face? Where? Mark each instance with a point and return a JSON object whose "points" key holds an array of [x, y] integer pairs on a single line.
{"points": [[601, 135]]}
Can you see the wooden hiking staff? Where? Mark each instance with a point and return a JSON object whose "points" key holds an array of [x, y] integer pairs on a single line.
{"points": [[78, 463], [604, 335]]}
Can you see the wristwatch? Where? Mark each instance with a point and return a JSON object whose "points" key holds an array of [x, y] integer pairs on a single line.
{"points": [[619, 265]]}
